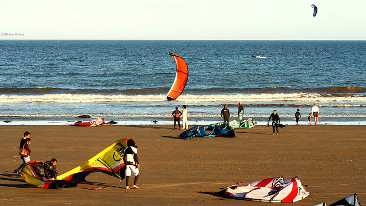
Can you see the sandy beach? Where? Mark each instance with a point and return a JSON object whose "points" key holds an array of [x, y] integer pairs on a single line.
{"points": [[331, 160]]}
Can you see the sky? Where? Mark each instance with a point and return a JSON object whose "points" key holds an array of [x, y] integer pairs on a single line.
{"points": [[182, 20]]}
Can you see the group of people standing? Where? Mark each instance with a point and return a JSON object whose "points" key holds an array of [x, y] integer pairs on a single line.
{"points": [[225, 114], [177, 114]]}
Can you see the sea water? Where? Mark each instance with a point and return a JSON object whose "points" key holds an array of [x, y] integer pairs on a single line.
{"points": [[52, 82]]}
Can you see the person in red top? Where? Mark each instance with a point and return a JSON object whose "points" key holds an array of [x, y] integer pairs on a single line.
{"points": [[176, 115], [24, 144]]}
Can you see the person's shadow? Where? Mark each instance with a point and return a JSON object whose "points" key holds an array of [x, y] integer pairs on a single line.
{"points": [[16, 180]]}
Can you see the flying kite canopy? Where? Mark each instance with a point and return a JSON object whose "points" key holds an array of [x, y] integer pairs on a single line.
{"points": [[315, 10], [180, 77]]}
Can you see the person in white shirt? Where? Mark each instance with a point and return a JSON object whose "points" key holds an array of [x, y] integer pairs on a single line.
{"points": [[131, 162], [315, 112], [185, 117]]}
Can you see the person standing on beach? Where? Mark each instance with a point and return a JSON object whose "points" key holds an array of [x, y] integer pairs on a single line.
{"points": [[315, 112], [309, 118], [275, 121], [176, 115], [225, 113], [240, 111], [185, 117], [297, 116], [24, 145], [132, 163]]}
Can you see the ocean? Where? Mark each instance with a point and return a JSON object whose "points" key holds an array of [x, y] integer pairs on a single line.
{"points": [[52, 82]]}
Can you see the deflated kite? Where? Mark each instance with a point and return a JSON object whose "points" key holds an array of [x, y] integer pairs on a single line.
{"points": [[315, 10], [240, 124], [109, 161], [274, 189], [212, 130]]}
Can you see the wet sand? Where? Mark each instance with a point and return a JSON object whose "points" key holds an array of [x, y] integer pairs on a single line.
{"points": [[331, 160]]}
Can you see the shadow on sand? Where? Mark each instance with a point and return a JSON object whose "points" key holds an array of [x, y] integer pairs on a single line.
{"points": [[171, 137], [12, 177]]}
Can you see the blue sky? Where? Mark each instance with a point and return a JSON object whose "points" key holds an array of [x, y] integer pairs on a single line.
{"points": [[183, 20]]}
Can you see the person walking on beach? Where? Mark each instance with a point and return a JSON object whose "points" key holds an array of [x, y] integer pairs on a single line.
{"points": [[315, 112], [275, 121], [185, 117], [297, 116], [132, 163], [240, 111], [225, 113], [176, 115], [25, 151], [50, 169]]}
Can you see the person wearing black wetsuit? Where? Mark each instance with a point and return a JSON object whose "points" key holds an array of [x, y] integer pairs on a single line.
{"points": [[297, 116], [50, 169], [275, 121], [225, 113], [176, 115]]}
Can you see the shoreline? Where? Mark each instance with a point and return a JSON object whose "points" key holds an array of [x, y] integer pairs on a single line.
{"points": [[164, 122], [331, 160]]}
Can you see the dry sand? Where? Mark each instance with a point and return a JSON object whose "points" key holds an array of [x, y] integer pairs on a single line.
{"points": [[331, 160]]}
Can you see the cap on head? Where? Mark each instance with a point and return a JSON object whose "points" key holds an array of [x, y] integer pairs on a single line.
{"points": [[53, 160], [26, 133], [131, 143]]}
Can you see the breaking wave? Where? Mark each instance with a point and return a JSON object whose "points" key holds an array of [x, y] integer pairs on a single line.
{"points": [[187, 98], [165, 115], [163, 90]]}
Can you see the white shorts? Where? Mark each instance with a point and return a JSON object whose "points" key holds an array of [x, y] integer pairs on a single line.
{"points": [[130, 169], [26, 159]]}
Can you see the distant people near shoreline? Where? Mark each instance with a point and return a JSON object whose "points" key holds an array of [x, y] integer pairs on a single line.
{"points": [[297, 116], [225, 113], [185, 117], [309, 118], [275, 121], [176, 116], [315, 113], [240, 111]]}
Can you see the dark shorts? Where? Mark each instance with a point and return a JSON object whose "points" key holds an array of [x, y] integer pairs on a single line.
{"points": [[316, 114]]}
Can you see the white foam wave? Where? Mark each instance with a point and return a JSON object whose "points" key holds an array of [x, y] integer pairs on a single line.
{"points": [[188, 98], [165, 115]]}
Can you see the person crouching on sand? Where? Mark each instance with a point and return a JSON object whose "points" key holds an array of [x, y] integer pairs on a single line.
{"points": [[50, 171], [132, 163], [185, 117], [176, 115], [275, 121]]}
